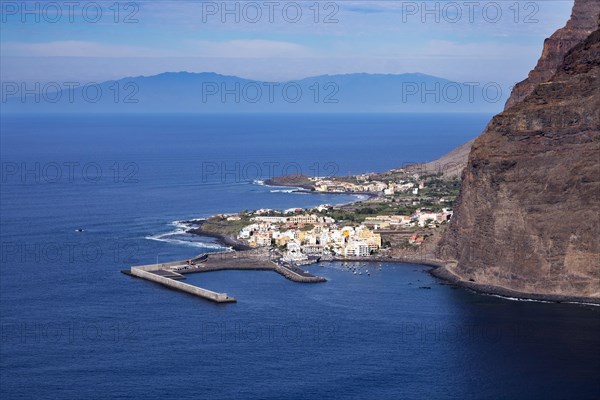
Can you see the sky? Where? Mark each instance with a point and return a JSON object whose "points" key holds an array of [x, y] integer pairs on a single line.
{"points": [[465, 41]]}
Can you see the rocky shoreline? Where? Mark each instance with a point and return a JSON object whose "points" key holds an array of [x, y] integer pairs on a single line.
{"points": [[222, 239], [297, 181], [439, 270], [274, 182], [442, 272]]}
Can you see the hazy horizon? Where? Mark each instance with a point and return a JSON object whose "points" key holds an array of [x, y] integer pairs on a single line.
{"points": [[491, 41]]}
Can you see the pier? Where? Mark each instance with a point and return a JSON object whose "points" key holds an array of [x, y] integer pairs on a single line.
{"points": [[170, 274], [166, 276]]}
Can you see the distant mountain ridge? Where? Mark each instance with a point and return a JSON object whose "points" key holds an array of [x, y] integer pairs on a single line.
{"points": [[208, 92]]}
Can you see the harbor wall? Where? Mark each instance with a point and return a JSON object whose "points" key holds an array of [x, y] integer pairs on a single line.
{"points": [[184, 287]]}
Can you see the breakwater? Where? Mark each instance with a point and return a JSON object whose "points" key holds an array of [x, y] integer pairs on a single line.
{"points": [[169, 274]]}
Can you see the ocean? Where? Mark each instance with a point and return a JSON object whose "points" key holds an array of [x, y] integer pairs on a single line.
{"points": [[74, 327]]}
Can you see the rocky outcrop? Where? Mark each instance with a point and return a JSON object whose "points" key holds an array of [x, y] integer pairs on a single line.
{"points": [[583, 21], [527, 218]]}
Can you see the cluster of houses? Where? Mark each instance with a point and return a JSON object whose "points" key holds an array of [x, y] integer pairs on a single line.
{"points": [[304, 235], [388, 189], [421, 218], [301, 235]]}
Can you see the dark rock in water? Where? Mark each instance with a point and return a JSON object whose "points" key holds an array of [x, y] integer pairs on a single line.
{"points": [[527, 215], [424, 287]]}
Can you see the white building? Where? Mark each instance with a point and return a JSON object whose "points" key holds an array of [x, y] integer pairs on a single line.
{"points": [[271, 220], [357, 249], [294, 253]]}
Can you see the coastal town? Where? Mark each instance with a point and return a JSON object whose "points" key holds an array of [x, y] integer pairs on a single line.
{"points": [[401, 208]]}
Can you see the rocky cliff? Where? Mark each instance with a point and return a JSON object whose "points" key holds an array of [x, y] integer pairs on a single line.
{"points": [[527, 218], [583, 21]]}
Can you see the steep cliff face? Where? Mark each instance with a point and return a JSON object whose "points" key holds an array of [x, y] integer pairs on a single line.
{"points": [[583, 21], [528, 214]]}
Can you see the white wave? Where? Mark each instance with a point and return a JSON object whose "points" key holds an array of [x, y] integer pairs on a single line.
{"points": [[183, 225], [542, 301], [204, 245], [259, 182], [519, 299], [175, 237], [181, 228], [283, 190]]}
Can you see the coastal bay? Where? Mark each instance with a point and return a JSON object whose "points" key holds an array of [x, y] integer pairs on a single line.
{"points": [[79, 327]]}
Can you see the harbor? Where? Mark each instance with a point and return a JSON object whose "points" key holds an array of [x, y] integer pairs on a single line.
{"points": [[172, 273]]}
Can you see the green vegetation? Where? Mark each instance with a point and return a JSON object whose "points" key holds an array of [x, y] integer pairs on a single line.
{"points": [[359, 211], [221, 226], [437, 187]]}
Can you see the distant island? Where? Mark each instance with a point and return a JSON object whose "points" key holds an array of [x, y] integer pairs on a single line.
{"points": [[207, 92]]}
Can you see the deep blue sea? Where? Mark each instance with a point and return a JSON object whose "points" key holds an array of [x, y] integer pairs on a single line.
{"points": [[74, 327]]}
